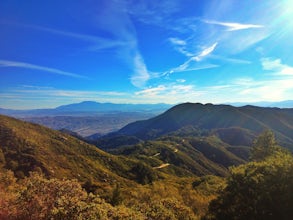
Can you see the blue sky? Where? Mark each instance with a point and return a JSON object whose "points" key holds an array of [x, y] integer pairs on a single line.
{"points": [[144, 51]]}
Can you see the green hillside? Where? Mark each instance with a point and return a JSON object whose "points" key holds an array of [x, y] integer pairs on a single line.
{"points": [[29, 147], [185, 156]]}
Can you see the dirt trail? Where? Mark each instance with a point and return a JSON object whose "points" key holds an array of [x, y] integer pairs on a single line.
{"points": [[162, 166]]}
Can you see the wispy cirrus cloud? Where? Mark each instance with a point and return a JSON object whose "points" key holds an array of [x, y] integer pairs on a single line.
{"points": [[170, 93], [191, 65], [205, 52], [226, 37], [17, 64], [141, 75], [53, 92], [233, 26], [97, 42], [194, 60], [230, 60], [152, 91], [177, 41], [181, 46]]}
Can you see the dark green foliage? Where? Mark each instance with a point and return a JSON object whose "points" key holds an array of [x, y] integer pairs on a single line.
{"points": [[90, 186], [235, 136], [264, 146], [209, 185], [143, 173], [117, 197], [215, 150], [112, 142], [257, 190]]}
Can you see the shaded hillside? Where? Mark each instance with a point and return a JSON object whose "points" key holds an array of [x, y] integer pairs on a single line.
{"points": [[251, 121], [235, 136], [184, 156]]}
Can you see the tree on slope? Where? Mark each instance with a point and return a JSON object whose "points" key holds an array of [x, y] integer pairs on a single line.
{"points": [[258, 189]]}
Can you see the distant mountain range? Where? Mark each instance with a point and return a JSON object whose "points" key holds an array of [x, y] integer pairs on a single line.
{"points": [[90, 108], [281, 104], [87, 108]]}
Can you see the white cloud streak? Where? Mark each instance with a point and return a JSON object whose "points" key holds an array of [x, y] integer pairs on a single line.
{"points": [[227, 36], [152, 91], [194, 63], [190, 65], [169, 93], [205, 52], [177, 41], [99, 43], [141, 75], [120, 25], [9, 63], [67, 93], [232, 26], [230, 60]]}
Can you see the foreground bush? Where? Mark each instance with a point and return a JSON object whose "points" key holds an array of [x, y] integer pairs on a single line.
{"points": [[36, 197], [257, 190]]}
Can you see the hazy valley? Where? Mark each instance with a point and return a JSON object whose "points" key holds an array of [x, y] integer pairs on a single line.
{"points": [[88, 118]]}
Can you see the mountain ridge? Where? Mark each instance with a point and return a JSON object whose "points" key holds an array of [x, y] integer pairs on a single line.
{"points": [[209, 116], [87, 108]]}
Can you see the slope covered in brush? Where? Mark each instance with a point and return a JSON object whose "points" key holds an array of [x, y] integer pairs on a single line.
{"points": [[26, 147]]}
